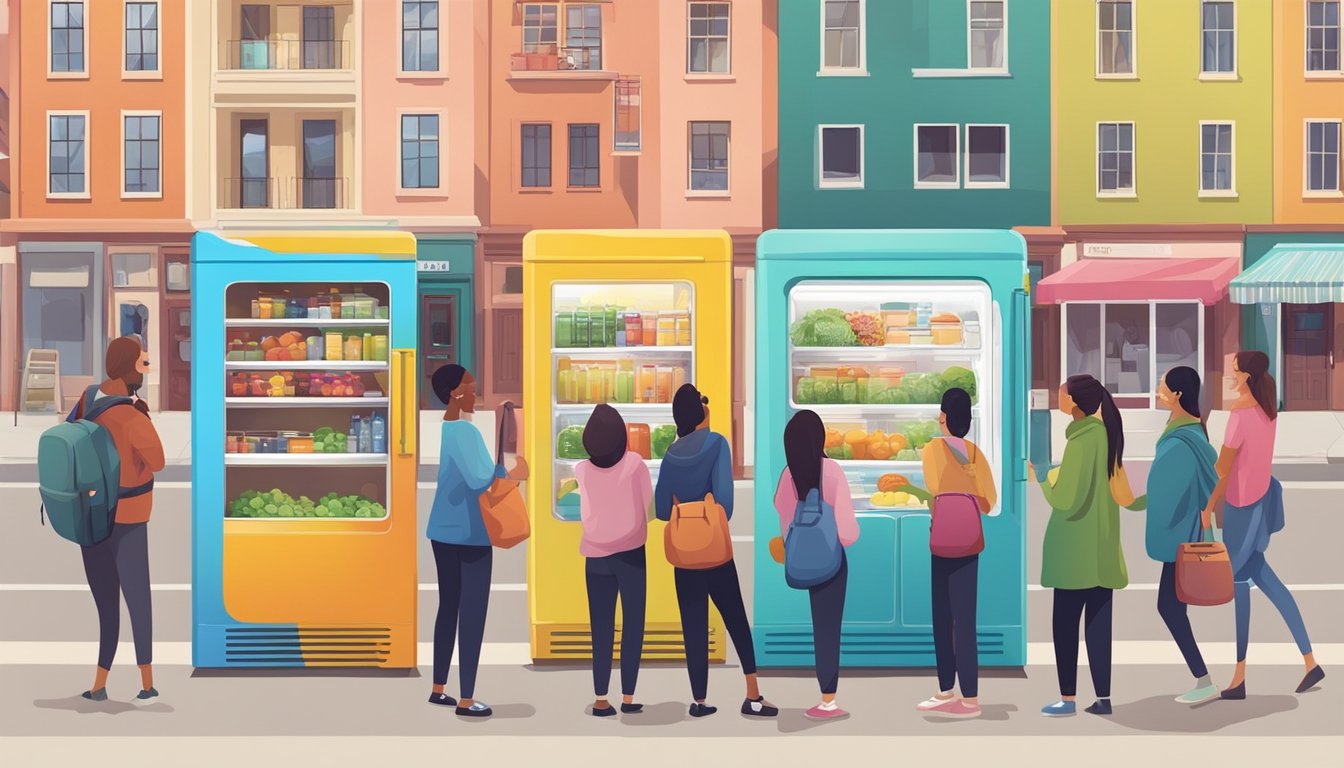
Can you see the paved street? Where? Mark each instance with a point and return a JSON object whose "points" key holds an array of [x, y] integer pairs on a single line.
{"points": [[48, 629]]}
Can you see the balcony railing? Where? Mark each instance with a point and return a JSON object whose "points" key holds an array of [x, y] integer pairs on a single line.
{"points": [[264, 55], [269, 193], [550, 59]]}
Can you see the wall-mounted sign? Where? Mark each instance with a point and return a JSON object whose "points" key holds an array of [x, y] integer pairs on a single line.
{"points": [[1127, 250], [434, 266]]}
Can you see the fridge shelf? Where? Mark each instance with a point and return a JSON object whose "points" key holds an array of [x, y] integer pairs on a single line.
{"points": [[306, 402], [570, 409], [653, 351], [305, 459], [303, 322], [889, 351], [307, 365], [890, 466]]}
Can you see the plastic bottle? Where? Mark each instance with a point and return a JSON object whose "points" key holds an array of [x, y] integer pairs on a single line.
{"points": [[366, 435], [352, 437], [379, 434]]}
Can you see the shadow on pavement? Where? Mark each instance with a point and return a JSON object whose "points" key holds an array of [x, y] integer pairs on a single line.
{"points": [[82, 706], [794, 721], [1161, 714], [666, 713], [996, 713]]}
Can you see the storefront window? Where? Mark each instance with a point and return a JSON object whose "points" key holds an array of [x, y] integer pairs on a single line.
{"points": [[1177, 336], [1127, 340], [1082, 347], [1115, 342]]}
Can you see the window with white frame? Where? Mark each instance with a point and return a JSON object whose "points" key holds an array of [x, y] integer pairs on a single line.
{"points": [[1219, 37], [420, 36], [1115, 37], [840, 156], [141, 155], [707, 38], [1130, 346], [67, 160], [541, 27], [142, 37], [1323, 33], [842, 34], [420, 151], [986, 156], [988, 41], [1215, 158], [936, 151], [709, 156], [1323, 156], [1115, 158], [67, 38]]}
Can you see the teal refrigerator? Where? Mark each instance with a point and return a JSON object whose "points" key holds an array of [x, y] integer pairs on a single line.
{"points": [[868, 328]]}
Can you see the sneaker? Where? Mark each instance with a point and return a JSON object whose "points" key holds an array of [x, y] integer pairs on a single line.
{"points": [[609, 711], [632, 709], [1099, 707], [98, 695], [759, 708], [956, 708], [442, 699], [477, 709], [144, 697], [702, 710], [934, 702], [826, 711], [1198, 695], [1061, 709]]}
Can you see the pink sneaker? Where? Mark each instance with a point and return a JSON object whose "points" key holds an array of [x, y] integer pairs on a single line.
{"points": [[957, 708], [821, 712], [933, 702]]}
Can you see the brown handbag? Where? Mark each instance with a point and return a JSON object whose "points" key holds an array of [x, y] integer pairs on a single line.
{"points": [[1203, 571], [697, 536], [502, 505]]}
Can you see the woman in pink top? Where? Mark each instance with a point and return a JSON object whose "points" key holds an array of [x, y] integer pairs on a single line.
{"points": [[615, 496], [809, 469], [1254, 511]]}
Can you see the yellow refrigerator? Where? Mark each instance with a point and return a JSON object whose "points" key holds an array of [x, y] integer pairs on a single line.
{"points": [[622, 317]]}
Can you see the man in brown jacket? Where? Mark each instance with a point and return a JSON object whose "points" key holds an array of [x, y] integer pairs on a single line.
{"points": [[120, 564]]}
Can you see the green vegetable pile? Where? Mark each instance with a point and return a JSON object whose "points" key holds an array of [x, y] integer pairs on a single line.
{"points": [[328, 440], [660, 439], [914, 389], [277, 503], [823, 328], [569, 444]]}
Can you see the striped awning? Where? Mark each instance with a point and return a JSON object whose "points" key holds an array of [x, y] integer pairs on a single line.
{"points": [[1297, 274]]}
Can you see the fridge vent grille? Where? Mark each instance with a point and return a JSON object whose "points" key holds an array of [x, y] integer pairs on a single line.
{"points": [[578, 644], [308, 646], [873, 644]]}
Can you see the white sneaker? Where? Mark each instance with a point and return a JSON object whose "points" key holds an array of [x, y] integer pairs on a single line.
{"points": [[934, 702]]}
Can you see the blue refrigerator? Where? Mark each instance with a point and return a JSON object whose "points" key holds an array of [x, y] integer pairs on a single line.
{"points": [[868, 328]]}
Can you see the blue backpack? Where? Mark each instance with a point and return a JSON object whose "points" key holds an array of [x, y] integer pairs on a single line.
{"points": [[812, 550], [79, 473]]}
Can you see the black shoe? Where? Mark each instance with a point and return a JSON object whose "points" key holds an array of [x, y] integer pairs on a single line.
{"points": [[759, 708], [477, 709], [98, 695], [1234, 694], [1315, 676], [702, 710], [609, 711], [1099, 707], [442, 699], [632, 709], [146, 696]]}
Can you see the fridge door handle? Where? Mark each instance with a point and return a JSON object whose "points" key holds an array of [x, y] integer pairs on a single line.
{"points": [[1022, 331], [405, 401]]}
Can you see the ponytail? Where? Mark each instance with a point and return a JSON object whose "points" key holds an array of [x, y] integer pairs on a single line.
{"points": [[1090, 397], [1258, 379]]}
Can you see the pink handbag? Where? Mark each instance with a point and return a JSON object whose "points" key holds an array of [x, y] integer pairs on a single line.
{"points": [[956, 529]]}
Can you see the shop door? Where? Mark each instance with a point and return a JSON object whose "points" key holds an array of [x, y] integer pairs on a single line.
{"points": [[1308, 354], [439, 334], [178, 356]]}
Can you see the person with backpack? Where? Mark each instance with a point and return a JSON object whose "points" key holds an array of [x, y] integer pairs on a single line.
{"points": [[614, 499], [119, 564], [816, 516], [699, 465]]}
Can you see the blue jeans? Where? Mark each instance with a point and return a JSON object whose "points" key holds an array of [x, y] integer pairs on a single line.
{"points": [[1258, 571]]}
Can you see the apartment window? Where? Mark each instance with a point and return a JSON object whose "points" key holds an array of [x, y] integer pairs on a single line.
{"points": [[1323, 156], [988, 42], [1323, 31], [541, 27], [537, 155], [1218, 25], [67, 162], [583, 36], [67, 37], [936, 151], [842, 34], [420, 36], [419, 151], [986, 156], [707, 38], [142, 37], [1215, 158], [1115, 37], [1115, 158], [841, 156], [709, 156], [141, 155], [584, 160]]}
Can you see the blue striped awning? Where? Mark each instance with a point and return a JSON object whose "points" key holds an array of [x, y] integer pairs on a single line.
{"points": [[1298, 274]]}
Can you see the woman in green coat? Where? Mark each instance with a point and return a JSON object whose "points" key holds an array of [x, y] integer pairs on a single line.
{"points": [[1081, 559]]}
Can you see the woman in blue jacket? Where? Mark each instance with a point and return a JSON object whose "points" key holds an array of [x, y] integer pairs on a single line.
{"points": [[1179, 485], [456, 531], [700, 462]]}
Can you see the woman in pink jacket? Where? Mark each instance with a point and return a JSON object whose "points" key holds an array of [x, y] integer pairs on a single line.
{"points": [[615, 496], [804, 448]]}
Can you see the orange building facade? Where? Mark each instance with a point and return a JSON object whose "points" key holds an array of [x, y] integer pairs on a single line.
{"points": [[1309, 107], [98, 230]]}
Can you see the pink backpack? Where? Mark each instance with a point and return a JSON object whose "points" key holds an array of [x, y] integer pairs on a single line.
{"points": [[956, 529]]}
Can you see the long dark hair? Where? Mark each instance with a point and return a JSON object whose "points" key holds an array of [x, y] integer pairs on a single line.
{"points": [[1090, 396], [804, 447], [1256, 366], [604, 437], [1185, 380]]}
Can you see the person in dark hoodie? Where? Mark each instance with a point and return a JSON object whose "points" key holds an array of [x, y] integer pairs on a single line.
{"points": [[698, 463]]}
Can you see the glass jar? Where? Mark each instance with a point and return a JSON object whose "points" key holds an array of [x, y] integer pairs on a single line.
{"points": [[279, 307], [264, 307], [667, 329], [682, 323], [256, 309], [296, 310]]}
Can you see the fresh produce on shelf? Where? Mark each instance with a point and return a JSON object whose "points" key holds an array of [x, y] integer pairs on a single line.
{"points": [[957, 377], [909, 454], [277, 503], [892, 482], [895, 499], [823, 328], [661, 438], [569, 444], [328, 440], [867, 327], [834, 438], [842, 452]]}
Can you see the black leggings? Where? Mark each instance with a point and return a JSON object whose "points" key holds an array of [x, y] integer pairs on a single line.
{"points": [[625, 574], [120, 564], [1173, 612], [464, 594], [1070, 606], [694, 591], [954, 641], [828, 614]]}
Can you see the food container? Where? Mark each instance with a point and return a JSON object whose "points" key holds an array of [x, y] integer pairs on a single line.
{"points": [[347, 307], [267, 445], [583, 328], [354, 347], [564, 385], [302, 385], [256, 309], [380, 347], [564, 329], [384, 313], [300, 442], [667, 329], [896, 318], [681, 320], [921, 337], [637, 440], [971, 333], [231, 441], [237, 351], [648, 329], [625, 386], [634, 330], [945, 329], [366, 346], [335, 303], [334, 346], [253, 353], [279, 307], [316, 347], [897, 336], [664, 394], [620, 330], [296, 309], [647, 385]]}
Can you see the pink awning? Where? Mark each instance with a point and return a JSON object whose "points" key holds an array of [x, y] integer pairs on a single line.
{"points": [[1203, 280]]}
